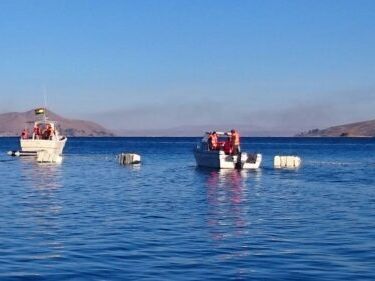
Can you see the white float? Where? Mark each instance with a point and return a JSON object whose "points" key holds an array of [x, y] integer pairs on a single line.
{"points": [[129, 158], [288, 161]]}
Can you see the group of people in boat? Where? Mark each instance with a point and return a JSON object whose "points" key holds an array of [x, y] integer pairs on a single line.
{"points": [[39, 132], [230, 146]]}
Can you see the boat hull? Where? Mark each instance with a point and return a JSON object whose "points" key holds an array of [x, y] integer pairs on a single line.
{"points": [[220, 160], [51, 146]]}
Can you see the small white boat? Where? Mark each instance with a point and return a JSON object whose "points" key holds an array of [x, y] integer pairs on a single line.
{"points": [[45, 137], [219, 158]]}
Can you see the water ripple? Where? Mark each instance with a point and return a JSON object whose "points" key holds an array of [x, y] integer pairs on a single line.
{"points": [[91, 219]]}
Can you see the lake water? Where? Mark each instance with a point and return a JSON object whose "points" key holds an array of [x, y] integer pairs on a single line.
{"points": [[92, 219]]}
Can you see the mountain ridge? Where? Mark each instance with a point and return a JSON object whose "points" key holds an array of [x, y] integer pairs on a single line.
{"points": [[357, 129], [12, 123]]}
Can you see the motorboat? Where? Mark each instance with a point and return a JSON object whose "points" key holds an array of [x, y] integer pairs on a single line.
{"points": [[45, 137], [222, 158]]}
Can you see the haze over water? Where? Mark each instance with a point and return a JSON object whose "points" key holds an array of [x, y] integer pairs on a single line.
{"points": [[274, 68], [90, 218]]}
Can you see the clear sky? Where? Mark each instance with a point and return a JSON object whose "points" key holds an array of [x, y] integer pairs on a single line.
{"points": [[268, 65]]}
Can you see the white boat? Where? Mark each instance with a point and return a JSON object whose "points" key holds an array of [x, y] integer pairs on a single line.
{"points": [[221, 159], [47, 139]]}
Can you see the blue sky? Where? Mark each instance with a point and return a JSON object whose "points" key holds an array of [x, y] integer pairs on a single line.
{"points": [[267, 65]]}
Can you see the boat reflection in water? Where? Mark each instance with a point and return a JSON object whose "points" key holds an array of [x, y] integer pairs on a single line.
{"points": [[229, 213], [225, 194], [43, 210], [42, 176]]}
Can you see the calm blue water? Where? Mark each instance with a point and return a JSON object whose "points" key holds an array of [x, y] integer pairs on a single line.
{"points": [[92, 219]]}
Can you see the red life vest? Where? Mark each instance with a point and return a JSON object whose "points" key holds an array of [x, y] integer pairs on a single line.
{"points": [[227, 147]]}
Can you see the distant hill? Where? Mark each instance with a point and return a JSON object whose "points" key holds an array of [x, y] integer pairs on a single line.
{"points": [[198, 131], [359, 129], [12, 123]]}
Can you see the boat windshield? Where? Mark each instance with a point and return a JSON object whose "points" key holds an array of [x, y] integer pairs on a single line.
{"points": [[220, 135]]}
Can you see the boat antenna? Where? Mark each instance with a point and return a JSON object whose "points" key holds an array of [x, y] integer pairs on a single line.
{"points": [[45, 102]]}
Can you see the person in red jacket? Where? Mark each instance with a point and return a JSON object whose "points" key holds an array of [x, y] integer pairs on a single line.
{"points": [[227, 147], [25, 134], [36, 132], [48, 132]]}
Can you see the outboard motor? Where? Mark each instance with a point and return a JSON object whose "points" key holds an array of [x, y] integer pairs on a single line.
{"points": [[251, 158], [241, 160], [244, 158]]}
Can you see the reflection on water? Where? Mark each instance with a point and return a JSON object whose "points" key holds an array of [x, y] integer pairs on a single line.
{"points": [[225, 195], [43, 207], [47, 176], [133, 167], [91, 218], [227, 221]]}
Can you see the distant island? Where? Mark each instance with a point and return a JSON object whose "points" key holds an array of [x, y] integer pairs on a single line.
{"points": [[359, 129], [12, 123]]}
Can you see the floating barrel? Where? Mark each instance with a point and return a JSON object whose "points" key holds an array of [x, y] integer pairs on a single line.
{"points": [[286, 161], [129, 158]]}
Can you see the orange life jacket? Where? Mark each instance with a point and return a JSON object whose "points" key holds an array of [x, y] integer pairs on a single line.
{"points": [[214, 140]]}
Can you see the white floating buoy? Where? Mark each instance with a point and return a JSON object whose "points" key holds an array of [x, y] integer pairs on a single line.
{"points": [[47, 157], [286, 161], [129, 158]]}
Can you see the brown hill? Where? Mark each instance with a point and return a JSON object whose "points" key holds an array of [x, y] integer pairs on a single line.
{"points": [[359, 129], [12, 123]]}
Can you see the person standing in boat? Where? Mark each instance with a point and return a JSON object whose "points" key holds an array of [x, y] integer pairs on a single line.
{"points": [[36, 132], [49, 132], [213, 141], [235, 141], [25, 134]]}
